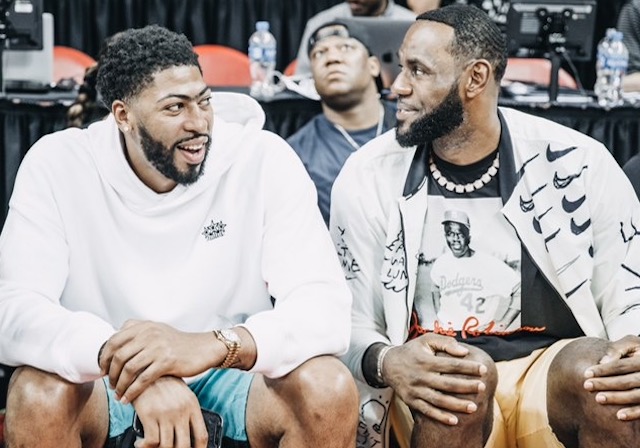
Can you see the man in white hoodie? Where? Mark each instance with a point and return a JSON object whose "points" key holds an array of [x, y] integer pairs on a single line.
{"points": [[142, 271]]}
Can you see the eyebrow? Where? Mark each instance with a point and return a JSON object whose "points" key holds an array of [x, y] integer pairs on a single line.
{"points": [[184, 97]]}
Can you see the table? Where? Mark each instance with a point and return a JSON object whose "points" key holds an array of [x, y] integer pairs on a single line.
{"points": [[23, 120]]}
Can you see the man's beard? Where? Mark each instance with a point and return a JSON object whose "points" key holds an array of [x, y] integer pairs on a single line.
{"points": [[161, 157], [441, 121]]}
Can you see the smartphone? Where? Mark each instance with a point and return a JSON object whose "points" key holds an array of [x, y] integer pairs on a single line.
{"points": [[212, 421]]}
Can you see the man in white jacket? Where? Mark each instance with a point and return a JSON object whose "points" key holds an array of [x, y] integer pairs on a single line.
{"points": [[166, 259], [550, 202]]}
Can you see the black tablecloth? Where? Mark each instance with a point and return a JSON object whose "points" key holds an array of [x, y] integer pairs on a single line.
{"points": [[25, 121]]}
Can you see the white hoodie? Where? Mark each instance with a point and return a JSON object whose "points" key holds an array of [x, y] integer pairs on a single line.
{"points": [[87, 245]]}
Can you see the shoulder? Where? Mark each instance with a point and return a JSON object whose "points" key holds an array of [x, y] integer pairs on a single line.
{"points": [[381, 164], [340, 10], [307, 133], [399, 12], [527, 128]]}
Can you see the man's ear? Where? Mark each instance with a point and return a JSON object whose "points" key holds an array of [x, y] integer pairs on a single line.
{"points": [[374, 66], [480, 74], [120, 112]]}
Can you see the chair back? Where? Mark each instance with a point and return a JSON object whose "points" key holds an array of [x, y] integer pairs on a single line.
{"points": [[290, 69], [223, 66], [69, 63], [536, 71]]}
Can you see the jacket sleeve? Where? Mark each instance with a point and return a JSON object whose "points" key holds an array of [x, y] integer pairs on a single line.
{"points": [[616, 233], [35, 329], [311, 314], [358, 232]]}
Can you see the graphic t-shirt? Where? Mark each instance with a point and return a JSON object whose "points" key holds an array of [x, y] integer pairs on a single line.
{"points": [[475, 280]]}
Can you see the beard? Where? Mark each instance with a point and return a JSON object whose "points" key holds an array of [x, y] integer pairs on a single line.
{"points": [[161, 157], [445, 118]]}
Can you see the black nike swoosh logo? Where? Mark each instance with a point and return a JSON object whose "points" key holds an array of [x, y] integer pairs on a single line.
{"points": [[536, 221], [549, 238], [577, 229], [571, 206], [573, 291], [526, 206], [563, 182], [522, 169], [555, 155]]}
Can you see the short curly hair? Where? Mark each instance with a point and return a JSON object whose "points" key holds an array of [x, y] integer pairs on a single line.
{"points": [[476, 36], [131, 58]]}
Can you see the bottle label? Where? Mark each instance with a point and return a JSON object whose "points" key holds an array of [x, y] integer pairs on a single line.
{"points": [[263, 54], [615, 63]]}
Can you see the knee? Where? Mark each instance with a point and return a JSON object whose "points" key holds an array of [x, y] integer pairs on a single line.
{"points": [[34, 391], [490, 378], [566, 371], [324, 384]]}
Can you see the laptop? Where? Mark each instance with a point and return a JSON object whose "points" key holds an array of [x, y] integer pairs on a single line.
{"points": [[385, 38], [30, 70]]}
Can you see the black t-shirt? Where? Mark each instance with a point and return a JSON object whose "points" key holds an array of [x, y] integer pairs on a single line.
{"points": [[475, 279]]}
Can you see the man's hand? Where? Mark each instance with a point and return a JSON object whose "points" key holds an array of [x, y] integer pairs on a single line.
{"points": [[416, 374], [170, 415], [616, 378], [142, 352]]}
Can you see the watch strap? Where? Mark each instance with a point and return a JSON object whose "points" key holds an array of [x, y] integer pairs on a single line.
{"points": [[233, 349]]}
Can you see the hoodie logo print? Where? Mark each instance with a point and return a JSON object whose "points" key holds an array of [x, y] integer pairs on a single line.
{"points": [[214, 230]]}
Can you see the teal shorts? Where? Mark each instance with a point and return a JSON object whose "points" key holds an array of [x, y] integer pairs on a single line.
{"points": [[222, 391]]}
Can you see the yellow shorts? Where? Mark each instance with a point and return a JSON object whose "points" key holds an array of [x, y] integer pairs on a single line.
{"points": [[520, 411]]}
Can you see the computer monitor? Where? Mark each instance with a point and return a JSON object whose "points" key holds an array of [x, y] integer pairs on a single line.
{"points": [[31, 69], [22, 22], [385, 37], [540, 28]]}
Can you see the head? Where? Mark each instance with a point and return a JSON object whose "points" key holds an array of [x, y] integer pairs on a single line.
{"points": [[457, 233], [367, 7], [343, 69], [152, 82], [453, 59]]}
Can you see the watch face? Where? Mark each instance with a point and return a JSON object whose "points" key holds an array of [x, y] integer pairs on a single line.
{"points": [[230, 335]]}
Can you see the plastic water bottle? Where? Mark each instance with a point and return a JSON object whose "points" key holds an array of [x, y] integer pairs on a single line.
{"points": [[611, 66], [262, 55]]}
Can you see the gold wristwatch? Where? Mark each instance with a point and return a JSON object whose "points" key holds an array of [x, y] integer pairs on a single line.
{"points": [[231, 339]]}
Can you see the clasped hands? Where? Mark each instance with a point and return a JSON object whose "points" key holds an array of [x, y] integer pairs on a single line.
{"points": [[145, 362]]}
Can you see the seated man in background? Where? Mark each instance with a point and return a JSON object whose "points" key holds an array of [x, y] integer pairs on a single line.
{"points": [[142, 271], [347, 78], [383, 9], [551, 202], [629, 24]]}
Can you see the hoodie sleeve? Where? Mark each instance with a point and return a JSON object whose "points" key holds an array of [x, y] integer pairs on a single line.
{"points": [[35, 329], [311, 315]]}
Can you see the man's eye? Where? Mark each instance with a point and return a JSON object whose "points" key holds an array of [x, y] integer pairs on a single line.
{"points": [[205, 101], [317, 54], [174, 107]]}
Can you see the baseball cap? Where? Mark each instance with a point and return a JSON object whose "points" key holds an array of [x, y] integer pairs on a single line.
{"points": [[457, 216], [339, 28]]}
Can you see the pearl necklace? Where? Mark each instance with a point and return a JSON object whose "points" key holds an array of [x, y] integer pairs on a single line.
{"points": [[468, 188]]}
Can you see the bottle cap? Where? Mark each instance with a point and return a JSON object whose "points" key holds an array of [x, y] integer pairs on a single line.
{"points": [[262, 25]]}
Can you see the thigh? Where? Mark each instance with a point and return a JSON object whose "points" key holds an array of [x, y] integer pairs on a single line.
{"points": [[226, 392], [523, 398]]}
